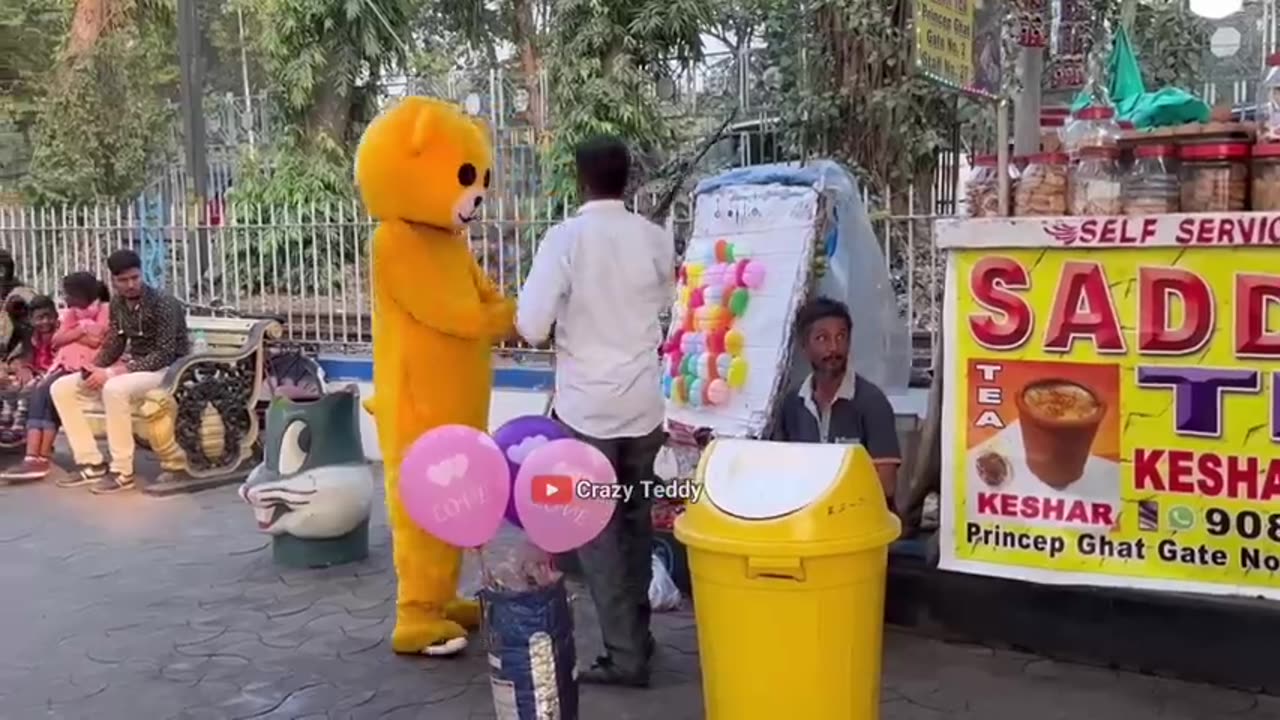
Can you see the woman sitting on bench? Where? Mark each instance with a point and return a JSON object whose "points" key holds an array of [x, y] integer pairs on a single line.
{"points": [[79, 334]]}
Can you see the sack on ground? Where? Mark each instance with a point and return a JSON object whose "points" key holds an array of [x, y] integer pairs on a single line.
{"points": [[531, 653], [663, 593]]}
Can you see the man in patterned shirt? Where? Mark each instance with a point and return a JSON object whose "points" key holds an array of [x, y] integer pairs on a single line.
{"points": [[147, 333]]}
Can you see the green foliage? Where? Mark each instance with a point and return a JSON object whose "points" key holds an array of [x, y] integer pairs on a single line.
{"points": [[30, 33], [1170, 42], [306, 193], [104, 121], [325, 57], [849, 90], [603, 59]]}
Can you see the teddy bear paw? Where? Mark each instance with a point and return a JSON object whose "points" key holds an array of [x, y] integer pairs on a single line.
{"points": [[435, 637], [464, 612]]}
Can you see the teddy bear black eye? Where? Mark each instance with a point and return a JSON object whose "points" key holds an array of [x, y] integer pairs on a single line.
{"points": [[467, 175], [486, 179]]}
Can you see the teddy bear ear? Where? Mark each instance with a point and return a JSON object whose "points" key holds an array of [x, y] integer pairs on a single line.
{"points": [[423, 126]]}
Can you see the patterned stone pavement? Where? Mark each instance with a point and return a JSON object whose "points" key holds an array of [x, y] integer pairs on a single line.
{"points": [[137, 608]]}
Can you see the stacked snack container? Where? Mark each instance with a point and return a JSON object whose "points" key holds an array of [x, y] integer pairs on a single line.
{"points": [[1151, 186], [1215, 177], [1042, 187], [1095, 181]]}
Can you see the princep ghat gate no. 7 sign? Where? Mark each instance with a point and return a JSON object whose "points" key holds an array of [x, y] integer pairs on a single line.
{"points": [[1115, 385]]}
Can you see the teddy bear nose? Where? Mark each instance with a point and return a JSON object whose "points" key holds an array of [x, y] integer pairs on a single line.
{"points": [[479, 199]]}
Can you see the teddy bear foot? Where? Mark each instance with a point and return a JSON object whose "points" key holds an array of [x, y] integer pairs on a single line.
{"points": [[464, 612], [436, 637]]}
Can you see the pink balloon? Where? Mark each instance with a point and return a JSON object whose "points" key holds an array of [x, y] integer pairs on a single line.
{"points": [[455, 483], [563, 494], [695, 298], [753, 275], [713, 276]]}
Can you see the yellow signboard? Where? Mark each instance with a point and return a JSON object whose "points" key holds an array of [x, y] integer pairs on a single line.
{"points": [[1117, 406], [958, 44]]}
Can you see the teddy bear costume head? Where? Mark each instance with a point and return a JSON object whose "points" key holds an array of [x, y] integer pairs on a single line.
{"points": [[424, 161]]}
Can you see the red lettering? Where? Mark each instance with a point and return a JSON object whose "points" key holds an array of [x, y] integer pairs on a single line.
{"points": [[1241, 480], [1273, 231], [1149, 226], [1157, 289], [1031, 507], [1009, 320], [1256, 295], [1146, 470], [1204, 235], [1186, 230], [1210, 467], [1181, 465], [1082, 308], [1108, 236]]}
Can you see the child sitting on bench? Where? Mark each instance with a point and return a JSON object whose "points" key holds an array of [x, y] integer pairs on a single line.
{"points": [[79, 334]]}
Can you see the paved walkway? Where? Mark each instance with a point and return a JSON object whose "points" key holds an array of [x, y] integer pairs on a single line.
{"points": [[137, 608]]}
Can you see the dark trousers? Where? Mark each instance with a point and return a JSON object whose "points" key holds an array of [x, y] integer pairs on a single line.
{"points": [[41, 414], [617, 565]]}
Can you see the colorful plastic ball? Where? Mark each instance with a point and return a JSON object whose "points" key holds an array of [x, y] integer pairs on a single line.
{"points": [[693, 271], [675, 339], [741, 252], [682, 275], [679, 390], [688, 364], [723, 362], [696, 389], [730, 280], [717, 392], [713, 316], [687, 342], [686, 322], [734, 342], [753, 274], [674, 362], [696, 299], [683, 295], [738, 301], [715, 341], [713, 295], [706, 366], [713, 276], [722, 250], [737, 375], [667, 382]]}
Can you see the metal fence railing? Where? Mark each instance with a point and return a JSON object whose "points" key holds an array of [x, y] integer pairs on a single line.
{"points": [[308, 264]]}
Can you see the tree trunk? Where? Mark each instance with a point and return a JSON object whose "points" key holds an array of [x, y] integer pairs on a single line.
{"points": [[330, 112], [526, 38], [92, 19]]}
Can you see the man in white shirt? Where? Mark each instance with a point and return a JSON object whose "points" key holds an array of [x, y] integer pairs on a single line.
{"points": [[601, 278]]}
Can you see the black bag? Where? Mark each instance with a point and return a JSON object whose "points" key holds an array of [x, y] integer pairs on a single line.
{"points": [[531, 654]]}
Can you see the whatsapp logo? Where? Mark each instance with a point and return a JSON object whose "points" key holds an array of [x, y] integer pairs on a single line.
{"points": [[1182, 517]]}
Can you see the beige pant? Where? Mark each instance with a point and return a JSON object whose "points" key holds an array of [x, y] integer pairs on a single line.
{"points": [[118, 397]]}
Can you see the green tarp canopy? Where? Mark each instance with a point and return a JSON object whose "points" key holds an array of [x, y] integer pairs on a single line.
{"points": [[1164, 107]]}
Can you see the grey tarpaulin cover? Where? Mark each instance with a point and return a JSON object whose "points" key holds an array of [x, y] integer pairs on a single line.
{"points": [[856, 273], [531, 653]]}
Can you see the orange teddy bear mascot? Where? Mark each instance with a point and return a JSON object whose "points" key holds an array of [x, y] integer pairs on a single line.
{"points": [[422, 168]]}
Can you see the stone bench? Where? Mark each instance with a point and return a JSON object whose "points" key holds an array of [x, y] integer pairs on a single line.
{"points": [[203, 423]]}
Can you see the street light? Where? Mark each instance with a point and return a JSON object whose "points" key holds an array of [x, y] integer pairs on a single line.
{"points": [[1216, 9]]}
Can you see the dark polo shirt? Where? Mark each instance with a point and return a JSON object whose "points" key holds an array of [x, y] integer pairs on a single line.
{"points": [[861, 414]]}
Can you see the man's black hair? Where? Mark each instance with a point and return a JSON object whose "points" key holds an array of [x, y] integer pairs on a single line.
{"points": [[41, 302], [819, 309], [7, 266], [123, 260], [85, 286], [604, 165]]}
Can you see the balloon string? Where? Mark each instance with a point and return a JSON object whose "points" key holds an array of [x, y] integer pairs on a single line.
{"points": [[485, 576]]}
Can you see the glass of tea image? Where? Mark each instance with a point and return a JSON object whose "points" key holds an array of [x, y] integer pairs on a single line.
{"points": [[1059, 420]]}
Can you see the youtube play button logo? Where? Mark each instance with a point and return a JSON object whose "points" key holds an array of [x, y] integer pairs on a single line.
{"points": [[552, 489]]}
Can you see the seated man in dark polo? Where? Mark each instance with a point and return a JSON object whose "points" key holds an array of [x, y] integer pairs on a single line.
{"points": [[834, 405]]}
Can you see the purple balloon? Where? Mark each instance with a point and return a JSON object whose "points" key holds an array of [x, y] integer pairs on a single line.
{"points": [[519, 437]]}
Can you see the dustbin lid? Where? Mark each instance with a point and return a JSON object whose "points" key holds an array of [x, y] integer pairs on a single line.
{"points": [[787, 499], [762, 480]]}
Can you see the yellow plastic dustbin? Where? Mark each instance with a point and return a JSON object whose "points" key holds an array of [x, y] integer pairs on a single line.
{"points": [[788, 550]]}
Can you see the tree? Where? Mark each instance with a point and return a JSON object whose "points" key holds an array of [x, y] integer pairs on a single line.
{"points": [[327, 58], [31, 32], [106, 104], [603, 59]]}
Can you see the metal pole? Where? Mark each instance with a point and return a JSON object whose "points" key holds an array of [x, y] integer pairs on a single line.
{"points": [[192, 99], [244, 78], [1026, 104], [1002, 155]]}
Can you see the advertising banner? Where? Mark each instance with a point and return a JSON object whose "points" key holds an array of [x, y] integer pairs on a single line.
{"points": [[1116, 389], [958, 43]]}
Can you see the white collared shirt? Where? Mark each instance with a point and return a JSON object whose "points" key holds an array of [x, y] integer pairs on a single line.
{"points": [[846, 391], [602, 277]]}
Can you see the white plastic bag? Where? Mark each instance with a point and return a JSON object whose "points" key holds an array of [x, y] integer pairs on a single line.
{"points": [[664, 596]]}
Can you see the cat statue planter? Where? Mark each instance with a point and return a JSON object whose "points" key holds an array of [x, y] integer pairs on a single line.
{"points": [[313, 491]]}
